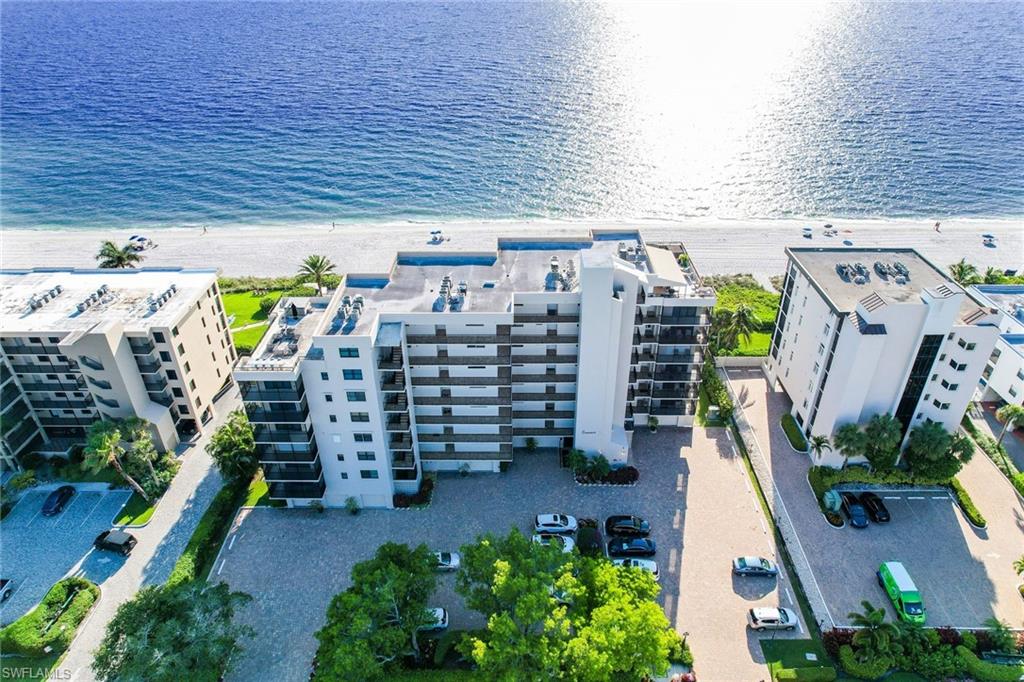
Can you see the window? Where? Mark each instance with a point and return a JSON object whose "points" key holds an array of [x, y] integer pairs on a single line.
{"points": [[934, 377], [172, 375], [183, 408], [945, 384], [177, 392], [348, 352], [957, 366], [972, 346], [174, 331], [1020, 374], [192, 384], [333, 418], [355, 396], [352, 374], [344, 476], [369, 473], [341, 457], [188, 368], [328, 397], [1013, 391], [366, 456], [323, 376], [181, 349], [363, 437], [159, 337], [965, 345], [359, 416]]}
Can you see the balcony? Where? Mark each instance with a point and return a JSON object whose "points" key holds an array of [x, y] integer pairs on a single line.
{"points": [[277, 453], [161, 398], [504, 437], [544, 378], [678, 337], [640, 375], [642, 407], [397, 422], [154, 384], [44, 367], [392, 360], [685, 377], [679, 358], [94, 365], [17, 437], [5, 374], [9, 394], [306, 491], [396, 405], [141, 346], [253, 392], [458, 339], [685, 320], [464, 419], [292, 472], [30, 349], [462, 381], [674, 393], [404, 460], [646, 337], [464, 400], [546, 338], [540, 431], [392, 382], [458, 360], [649, 317], [543, 359], [61, 403], [267, 415], [543, 397], [636, 358], [543, 414], [265, 434], [400, 441], [542, 317], [17, 411], [672, 410], [147, 366], [504, 454], [99, 383], [67, 421]]}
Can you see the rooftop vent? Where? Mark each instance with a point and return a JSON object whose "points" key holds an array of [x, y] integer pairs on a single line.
{"points": [[157, 301], [901, 269]]}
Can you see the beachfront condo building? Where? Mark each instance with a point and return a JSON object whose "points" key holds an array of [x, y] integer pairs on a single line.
{"points": [[461, 361], [1002, 380], [867, 331], [83, 345]]}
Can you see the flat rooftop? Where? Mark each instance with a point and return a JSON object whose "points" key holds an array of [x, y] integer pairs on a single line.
{"points": [[489, 279], [895, 275], [1008, 298], [126, 296], [294, 322]]}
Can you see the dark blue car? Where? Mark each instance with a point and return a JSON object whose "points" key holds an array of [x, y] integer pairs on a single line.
{"points": [[631, 547], [57, 500], [854, 510]]}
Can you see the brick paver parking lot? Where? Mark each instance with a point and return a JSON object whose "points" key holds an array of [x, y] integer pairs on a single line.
{"points": [[38, 550], [965, 574], [692, 490]]}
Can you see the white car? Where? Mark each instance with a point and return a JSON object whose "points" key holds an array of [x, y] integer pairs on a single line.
{"points": [[546, 539], [440, 621], [554, 523], [648, 565], [447, 561], [772, 618]]}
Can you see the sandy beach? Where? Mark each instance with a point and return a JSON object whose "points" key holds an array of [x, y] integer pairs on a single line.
{"points": [[717, 246]]}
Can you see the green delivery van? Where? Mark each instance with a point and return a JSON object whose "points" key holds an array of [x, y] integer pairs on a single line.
{"points": [[902, 591]]}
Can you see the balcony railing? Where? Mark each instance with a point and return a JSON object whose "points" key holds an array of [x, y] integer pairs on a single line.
{"points": [[61, 403], [13, 412], [403, 460], [67, 421], [272, 416], [264, 434], [161, 398], [393, 382], [679, 358], [543, 414], [685, 320], [543, 359], [548, 338], [504, 454], [16, 437], [458, 339], [640, 375], [292, 472], [541, 317], [400, 441], [397, 422], [9, 394], [504, 437], [464, 419], [5, 374], [673, 337], [147, 366], [155, 384], [554, 431], [544, 397], [670, 377], [141, 346], [94, 365], [544, 378], [275, 453], [307, 491], [391, 360], [636, 358], [30, 349], [458, 360], [462, 381], [464, 400], [673, 411], [253, 392], [44, 367], [645, 318], [677, 393]]}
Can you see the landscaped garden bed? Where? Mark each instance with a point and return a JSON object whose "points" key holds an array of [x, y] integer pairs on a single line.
{"points": [[419, 500], [793, 433], [598, 471], [40, 637]]}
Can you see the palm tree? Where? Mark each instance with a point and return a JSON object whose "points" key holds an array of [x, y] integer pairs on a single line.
{"points": [[882, 438], [103, 448], [1010, 416], [963, 273], [820, 444], [316, 267], [742, 323], [875, 636], [850, 440], [233, 449], [993, 275], [1018, 565], [113, 256]]}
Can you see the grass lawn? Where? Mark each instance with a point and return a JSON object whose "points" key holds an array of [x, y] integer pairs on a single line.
{"points": [[792, 653], [793, 433], [28, 667], [703, 402], [76, 473], [758, 346], [135, 512], [259, 494], [245, 307], [764, 303], [249, 337]]}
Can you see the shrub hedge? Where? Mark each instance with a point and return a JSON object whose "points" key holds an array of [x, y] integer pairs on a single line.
{"points": [[871, 670], [967, 504], [812, 674], [983, 671], [29, 635], [422, 497], [793, 433], [201, 550], [716, 390], [997, 453]]}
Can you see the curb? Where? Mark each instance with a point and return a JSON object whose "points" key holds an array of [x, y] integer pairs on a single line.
{"points": [[799, 452], [823, 517], [607, 485]]}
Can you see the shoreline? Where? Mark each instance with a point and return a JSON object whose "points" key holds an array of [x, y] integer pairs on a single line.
{"points": [[718, 246]]}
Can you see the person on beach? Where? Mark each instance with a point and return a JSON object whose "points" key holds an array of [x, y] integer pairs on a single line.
{"points": [[332, 227], [204, 229], [937, 227]]}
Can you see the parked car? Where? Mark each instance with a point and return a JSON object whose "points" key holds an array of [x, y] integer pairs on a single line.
{"points": [[114, 540], [631, 526], [447, 561], [554, 523], [589, 541], [754, 566], [440, 620], [631, 547], [772, 618], [6, 589], [648, 565], [875, 507], [547, 539], [854, 510], [57, 500]]}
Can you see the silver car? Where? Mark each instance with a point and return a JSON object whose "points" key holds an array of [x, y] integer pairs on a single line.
{"points": [[554, 523], [772, 618], [648, 565], [447, 561]]}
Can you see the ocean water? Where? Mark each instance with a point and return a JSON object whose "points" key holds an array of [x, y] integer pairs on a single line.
{"points": [[167, 114]]}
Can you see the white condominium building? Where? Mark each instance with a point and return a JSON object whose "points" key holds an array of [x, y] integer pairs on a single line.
{"points": [[83, 345], [868, 331], [1003, 377], [455, 360]]}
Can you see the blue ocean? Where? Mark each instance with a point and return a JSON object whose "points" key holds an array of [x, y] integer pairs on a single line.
{"points": [[171, 114]]}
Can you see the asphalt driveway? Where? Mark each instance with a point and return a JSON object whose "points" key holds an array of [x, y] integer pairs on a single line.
{"points": [[37, 550], [693, 490]]}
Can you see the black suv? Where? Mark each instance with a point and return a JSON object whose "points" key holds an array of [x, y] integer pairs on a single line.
{"points": [[57, 500], [629, 526], [114, 540], [875, 507]]}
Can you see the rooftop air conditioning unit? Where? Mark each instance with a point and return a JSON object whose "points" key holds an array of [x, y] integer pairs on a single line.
{"points": [[859, 279], [900, 279], [81, 307]]}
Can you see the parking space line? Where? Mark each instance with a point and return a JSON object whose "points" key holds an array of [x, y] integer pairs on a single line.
{"points": [[789, 597], [892, 497], [940, 497], [92, 511], [35, 516], [222, 562], [915, 498], [232, 543]]}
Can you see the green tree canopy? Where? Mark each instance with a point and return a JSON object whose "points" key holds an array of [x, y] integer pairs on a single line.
{"points": [[850, 440], [882, 441], [316, 268], [373, 624], [933, 452], [964, 273], [875, 636], [166, 634], [1011, 416], [104, 448], [112, 256], [233, 449]]}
